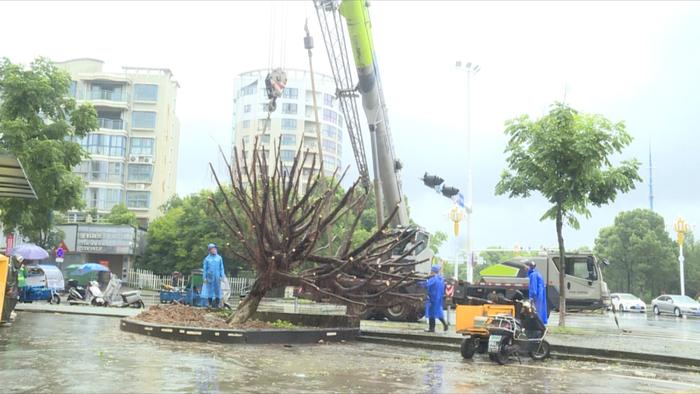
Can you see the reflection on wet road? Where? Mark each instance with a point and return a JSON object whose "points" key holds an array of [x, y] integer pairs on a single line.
{"points": [[70, 353]]}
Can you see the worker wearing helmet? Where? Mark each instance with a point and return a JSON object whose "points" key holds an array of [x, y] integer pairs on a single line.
{"points": [[435, 286], [213, 272], [536, 291]]}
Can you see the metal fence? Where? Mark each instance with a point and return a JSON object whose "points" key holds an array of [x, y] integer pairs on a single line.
{"points": [[147, 280]]}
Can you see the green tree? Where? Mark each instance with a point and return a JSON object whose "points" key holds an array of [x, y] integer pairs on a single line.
{"points": [[120, 214], [641, 253], [691, 251], [177, 240], [437, 239], [37, 119], [565, 156]]}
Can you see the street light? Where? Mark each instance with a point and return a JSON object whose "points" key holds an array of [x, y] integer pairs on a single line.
{"points": [[470, 68], [682, 228]]}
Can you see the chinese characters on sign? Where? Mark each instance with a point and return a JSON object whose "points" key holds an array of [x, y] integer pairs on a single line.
{"points": [[106, 240]]}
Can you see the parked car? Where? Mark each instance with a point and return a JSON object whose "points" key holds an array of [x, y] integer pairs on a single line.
{"points": [[677, 304], [625, 302]]}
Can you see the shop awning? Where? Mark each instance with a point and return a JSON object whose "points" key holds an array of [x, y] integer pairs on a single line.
{"points": [[13, 180]]}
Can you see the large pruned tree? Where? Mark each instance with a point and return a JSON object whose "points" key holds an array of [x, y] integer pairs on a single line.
{"points": [[279, 218], [37, 117], [566, 156]]}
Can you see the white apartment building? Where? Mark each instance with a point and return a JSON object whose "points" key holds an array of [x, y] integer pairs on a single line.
{"points": [[133, 154], [293, 121]]}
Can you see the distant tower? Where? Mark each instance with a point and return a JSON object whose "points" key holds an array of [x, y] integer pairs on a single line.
{"points": [[651, 182]]}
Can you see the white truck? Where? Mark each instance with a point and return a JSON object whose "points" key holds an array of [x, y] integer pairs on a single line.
{"points": [[585, 287]]}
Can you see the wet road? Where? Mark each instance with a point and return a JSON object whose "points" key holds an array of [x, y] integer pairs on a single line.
{"points": [[70, 353]]}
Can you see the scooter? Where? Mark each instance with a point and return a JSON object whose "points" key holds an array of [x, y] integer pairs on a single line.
{"points": [[76, 293], [128, 298], [511, 337], [96, 296]]}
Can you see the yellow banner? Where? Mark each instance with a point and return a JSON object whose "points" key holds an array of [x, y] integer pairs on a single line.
{"points": [[4, 267]]}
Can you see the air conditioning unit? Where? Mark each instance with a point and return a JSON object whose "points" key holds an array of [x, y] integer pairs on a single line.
{"points": [[132, 158], [147, 159]]}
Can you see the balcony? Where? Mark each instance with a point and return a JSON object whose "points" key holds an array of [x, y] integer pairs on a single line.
{"points": [[111, 124], [115, 98]]}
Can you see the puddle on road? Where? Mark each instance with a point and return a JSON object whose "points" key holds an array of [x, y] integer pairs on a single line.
{"points": [[81, 354]]}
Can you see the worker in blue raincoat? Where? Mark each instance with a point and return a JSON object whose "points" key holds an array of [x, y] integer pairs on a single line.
{"points": [[213, 272], [435, 286], [536, 290]]}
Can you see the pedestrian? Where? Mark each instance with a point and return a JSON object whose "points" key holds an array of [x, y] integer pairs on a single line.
{"points": [[536, 291], [213, 271], [435, 286]]}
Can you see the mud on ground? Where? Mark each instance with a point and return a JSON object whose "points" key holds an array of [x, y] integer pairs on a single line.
{"points": [[184, 315]]}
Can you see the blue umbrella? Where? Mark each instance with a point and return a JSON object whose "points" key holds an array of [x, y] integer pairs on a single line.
{"points": [[87, 267], [30, 252]]}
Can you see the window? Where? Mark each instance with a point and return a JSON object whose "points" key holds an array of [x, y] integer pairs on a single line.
{"points": [[246, 140], [143, 120], [142, 146], [246, 108], [265, 139], [142, 173], [289, 108], [583, 268], [287, 154], [330, 116], [138, 199], [289, 124], [73, 88], [340, 120], [144, 92], [102, 199], [109, 92], [263, 124], [328, 100], [264, 107], [328, 146], [329, 161], [101, 144], [289, 139], [290, 93], [246, 124], [329, 131], [309, 142], [249, 89], [101, 171]]}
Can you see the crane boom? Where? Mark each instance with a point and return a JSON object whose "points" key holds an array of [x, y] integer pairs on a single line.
{"points": [[385, 165]]}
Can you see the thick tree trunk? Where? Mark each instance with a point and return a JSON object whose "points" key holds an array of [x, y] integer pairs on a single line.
{"points": [[562, 271], [247, 308]]}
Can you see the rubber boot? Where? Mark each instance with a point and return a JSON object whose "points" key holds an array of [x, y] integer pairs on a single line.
{"points": [[431, 325], [445, 326]]}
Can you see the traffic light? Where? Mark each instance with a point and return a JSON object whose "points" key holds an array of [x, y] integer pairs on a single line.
{"points": [[432, 181], [449, 191]]}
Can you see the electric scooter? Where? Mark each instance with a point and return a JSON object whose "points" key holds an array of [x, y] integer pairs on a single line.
{"points": [[510, 337]]}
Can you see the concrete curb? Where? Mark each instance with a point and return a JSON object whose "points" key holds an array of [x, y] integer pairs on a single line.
{"points": [[266, 336], [452, 343]]}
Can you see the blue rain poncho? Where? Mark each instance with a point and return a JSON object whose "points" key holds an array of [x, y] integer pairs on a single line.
{"points": [[537, 293], [213, 272], [435, 286]]}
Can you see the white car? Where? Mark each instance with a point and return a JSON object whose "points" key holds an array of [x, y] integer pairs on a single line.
{"points": [[679, 305], [625, 302]]}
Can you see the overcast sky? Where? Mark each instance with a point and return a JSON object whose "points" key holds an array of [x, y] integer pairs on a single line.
{"points": [[636, 62]]}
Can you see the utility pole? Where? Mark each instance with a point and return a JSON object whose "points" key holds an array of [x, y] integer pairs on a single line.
{"points": [[470, 69]]}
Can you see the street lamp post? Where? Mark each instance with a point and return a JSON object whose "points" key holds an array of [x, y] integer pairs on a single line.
{"points": [[681, 228], [470, 68]]}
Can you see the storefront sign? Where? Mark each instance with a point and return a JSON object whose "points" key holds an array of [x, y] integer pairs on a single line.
{"points": [[105, 239]]}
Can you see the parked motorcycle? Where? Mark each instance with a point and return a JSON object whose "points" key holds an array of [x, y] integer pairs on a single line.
{"points": [[122, 300], [76, 293], [510, 337]]}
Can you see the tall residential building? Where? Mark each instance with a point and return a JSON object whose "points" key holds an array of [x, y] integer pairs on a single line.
{"points": [[133, 154], [293, 121]]}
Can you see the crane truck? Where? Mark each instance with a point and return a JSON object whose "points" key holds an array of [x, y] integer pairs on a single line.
{"points": [[335, 18]]}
